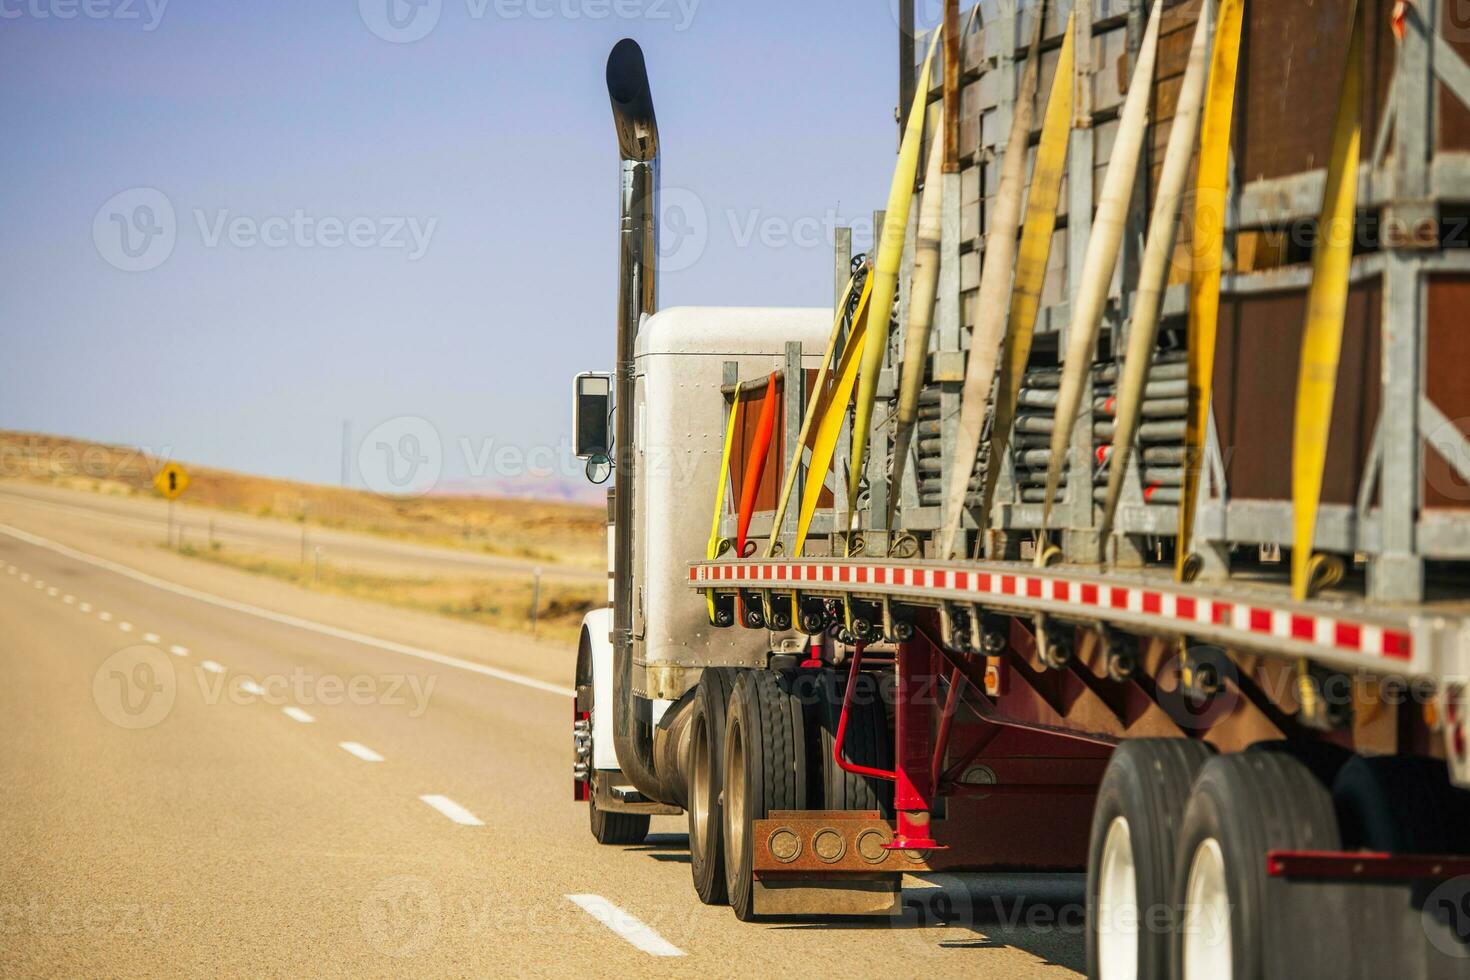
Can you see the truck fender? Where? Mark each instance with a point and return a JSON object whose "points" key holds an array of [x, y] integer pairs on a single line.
{"points": [[595, 668]]}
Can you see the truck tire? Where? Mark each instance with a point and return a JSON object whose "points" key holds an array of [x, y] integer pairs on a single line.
{"points": [[1239, 921], [615, 828], [867, 743], [706, 784], [1130, 860], [764, 771]]}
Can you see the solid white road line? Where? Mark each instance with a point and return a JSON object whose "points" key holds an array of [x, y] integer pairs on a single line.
{"points": [[178, 651], [626, 925], [453, 810], [150, 637], [212, 667], [105, 616], [296, 714], [361, 751], [287, 620], [125, 627]]}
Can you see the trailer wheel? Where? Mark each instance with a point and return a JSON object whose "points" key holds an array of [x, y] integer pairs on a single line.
{"points": [[867, 743], [1237, 920], [1130, 861], [706, 759], [615, 828], [763, 772]]}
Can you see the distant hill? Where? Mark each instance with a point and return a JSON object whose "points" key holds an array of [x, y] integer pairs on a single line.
{"points": [[534, 518]]}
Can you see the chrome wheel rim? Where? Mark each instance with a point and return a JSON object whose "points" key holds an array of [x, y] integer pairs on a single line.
{"points": [[1207, 940], [1117, 905], [734, 808], [699, 786]]}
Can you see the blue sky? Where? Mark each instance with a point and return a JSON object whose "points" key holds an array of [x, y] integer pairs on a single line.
{"points": [[364, 229]]}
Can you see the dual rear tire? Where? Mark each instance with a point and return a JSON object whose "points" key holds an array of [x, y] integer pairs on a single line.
{"points": [[1178, 878], [762, 741]]}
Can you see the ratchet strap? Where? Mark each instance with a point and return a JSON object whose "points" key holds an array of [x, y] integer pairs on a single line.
{"points": [[1031, 262], [885, 276], [1101, 259], [755, 464], [1153, 274], [1316, 385], [716, 545], [1208, 247], [809, 416], [831, 425]]}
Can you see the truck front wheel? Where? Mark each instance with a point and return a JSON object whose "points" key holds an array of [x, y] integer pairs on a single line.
{"points": [[615, 828]]}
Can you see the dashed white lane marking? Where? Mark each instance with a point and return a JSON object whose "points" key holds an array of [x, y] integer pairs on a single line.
{"points": [[105, 616], [150, 637], [9, 569], [85, 607], [69, 599], [361, 751], [453, 810], [250, 687], [125, 627], [52, 591], [25, 576], [296, 714], [178, 651], [39, 584], [212, 667], [626, 924], [285, 620]]}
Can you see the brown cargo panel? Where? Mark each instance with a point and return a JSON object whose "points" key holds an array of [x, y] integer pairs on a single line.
{"points": [[1447, 382], [1292, 58], [1257, 357]]}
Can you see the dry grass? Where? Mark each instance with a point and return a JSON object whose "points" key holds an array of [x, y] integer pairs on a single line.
{"points": [[501, 602], [550, 531]]}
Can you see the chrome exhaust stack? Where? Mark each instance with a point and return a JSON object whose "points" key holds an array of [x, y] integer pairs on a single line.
{"points": [[637, 132]]}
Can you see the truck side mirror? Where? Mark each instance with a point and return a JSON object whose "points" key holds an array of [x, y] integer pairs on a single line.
{"points": [[591, 414]]}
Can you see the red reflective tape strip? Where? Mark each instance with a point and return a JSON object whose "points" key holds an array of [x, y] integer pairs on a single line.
{"points": [[1220, 613], [1153, 603], [1033, 588], [1259, 620], [1008, 584], [1089, 594], [1119, 598], [1062, 590], [880, 576], [1397, 645], [811, 573], [1303, 628], [1184, 607], [982, 582]]}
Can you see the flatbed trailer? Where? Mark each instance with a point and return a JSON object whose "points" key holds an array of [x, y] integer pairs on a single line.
{"points": [[1262, 774]]}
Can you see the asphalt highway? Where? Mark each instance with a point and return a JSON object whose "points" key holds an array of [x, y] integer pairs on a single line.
{"points": [[214, 775]]}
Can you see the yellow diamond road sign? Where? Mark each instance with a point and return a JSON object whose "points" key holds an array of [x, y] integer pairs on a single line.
{"points": [[171, 480]]}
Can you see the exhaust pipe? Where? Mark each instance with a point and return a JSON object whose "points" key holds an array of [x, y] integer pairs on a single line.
{"points": [[637, 132]]}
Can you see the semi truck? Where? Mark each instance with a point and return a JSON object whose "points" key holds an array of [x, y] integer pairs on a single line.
{"points": [[1112, 520]]}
